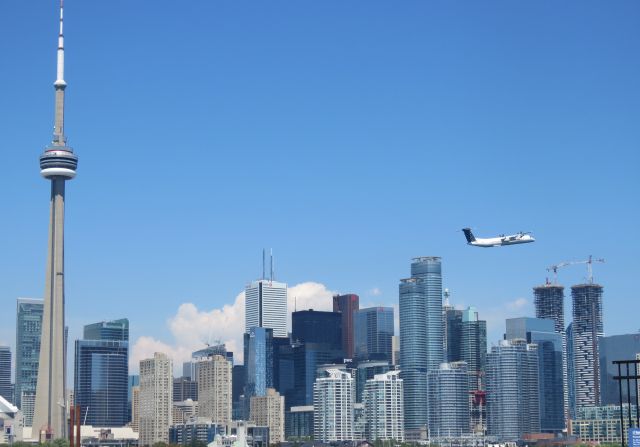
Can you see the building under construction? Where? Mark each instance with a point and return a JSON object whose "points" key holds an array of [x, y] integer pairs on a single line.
{"points": [[587, 327]]}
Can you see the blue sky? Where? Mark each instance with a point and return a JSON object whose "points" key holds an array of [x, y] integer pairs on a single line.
{"points": [[348, 136]]}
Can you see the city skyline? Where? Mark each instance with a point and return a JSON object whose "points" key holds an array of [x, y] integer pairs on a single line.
{"points": [[211, 282]]}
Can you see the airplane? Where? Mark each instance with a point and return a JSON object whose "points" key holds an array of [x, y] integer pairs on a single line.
{"points": [[518, 238]]}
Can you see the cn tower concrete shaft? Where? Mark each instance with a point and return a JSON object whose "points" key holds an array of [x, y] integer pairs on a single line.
{"points": [[50, 410]]}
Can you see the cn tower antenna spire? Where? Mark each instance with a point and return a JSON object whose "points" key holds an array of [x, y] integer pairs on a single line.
{"points": [[58, 133]]}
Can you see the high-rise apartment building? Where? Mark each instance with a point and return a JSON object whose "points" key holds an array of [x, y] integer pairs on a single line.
{"points": [[268, 411], [571, 377], [333, 401], [548, 300], [368, 370], [6, 388], [214, 389], [587, 328], [347, 305], [550, 378], [467, 342], [135, 408], [266, 306], [512, 390], [258, 360], [101, 373], [156, 396], [133, 380], [421, 332], [28, 329], [448, 401], [373, 329], [384, 407]]}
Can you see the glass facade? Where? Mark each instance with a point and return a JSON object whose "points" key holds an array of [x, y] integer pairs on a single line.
{"points": [[28, 328], [347, 305], [449, 412], [421, 336], [616, 347], [312, 326], [366, 371], [550, 381], [6, 388], [373, 329], [307, 357], [101, 378], [512, 390], [258, 359]]}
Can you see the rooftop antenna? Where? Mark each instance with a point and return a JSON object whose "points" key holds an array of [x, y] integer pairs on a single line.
{"points": [[60, 84], [272, 265]]}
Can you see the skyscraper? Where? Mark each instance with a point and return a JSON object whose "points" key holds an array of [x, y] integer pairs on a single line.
{"points": [[214, 389], [347, 305], [258, 360], [312, 326], [368, 370], [421, 344], [512, 390], [383, 406], [571, 377], [550, 378], [373, 329], [58, 164], [333, 400], [616, 347], [467, 342], [156, 393], [28, 331], [448, 400], [266, 306], [548, 300], [587, 328], [102, 372], [6, 389]]}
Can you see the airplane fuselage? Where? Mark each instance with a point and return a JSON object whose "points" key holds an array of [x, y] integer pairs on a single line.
{"points": [[502, 240]]}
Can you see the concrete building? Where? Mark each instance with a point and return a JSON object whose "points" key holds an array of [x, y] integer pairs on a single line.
{"points": [[266, 306], [384, 408], [214, 389], [58, 164], [512, 390], [347, 305], [195, 430], [156, 399], [135, 408], [601, 424], [28, 330], [550, 378], [373, 329], [333, 401], [11, 422], [268, 411], [421, 333], [448, 401], [548, 300], [6, 387], [587, 328], [183, 411], [101, 373]]}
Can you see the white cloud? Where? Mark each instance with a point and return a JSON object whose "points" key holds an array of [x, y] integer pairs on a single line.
{"points": [[375, 291], [191, 328], [496, 317]]}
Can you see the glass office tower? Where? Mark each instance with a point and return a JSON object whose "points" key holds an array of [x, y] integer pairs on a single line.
{"points": [[28, 328], [101, 379], [373, 328]]}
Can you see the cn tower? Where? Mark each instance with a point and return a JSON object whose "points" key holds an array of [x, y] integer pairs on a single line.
{"points": [[57, 164]]}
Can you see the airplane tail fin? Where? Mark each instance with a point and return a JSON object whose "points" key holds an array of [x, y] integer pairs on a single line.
{"points": [[469, 235]]}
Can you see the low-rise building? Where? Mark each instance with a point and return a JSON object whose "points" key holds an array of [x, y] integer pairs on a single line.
{"points": [[601, 424]]}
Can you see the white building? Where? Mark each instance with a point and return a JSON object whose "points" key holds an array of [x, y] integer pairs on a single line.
{"points": [[268, 411], [383, 402], [10, 422], [156, 399], [448, 398], [214, 389], [135, 408], [266, 306], [333, 400]]}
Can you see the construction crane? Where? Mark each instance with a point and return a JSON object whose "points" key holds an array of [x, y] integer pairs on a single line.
{"points": [[589, 262]]}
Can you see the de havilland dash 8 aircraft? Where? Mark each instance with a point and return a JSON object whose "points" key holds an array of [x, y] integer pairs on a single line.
{"points": [[518, 238]]}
